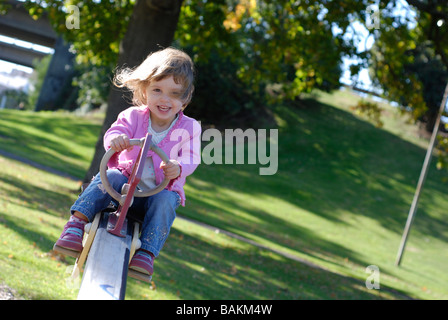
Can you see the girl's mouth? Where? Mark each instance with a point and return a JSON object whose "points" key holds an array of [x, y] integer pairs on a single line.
{"points": [[163, 108]]}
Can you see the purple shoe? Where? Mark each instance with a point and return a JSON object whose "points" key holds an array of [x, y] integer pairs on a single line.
{"points": [[142, 262], [71, 237]]}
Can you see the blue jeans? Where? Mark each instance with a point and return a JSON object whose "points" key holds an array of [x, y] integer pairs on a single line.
{"points": [[159, 209]]}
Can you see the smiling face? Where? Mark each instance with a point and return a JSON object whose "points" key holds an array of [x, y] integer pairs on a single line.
{"points": [[163, 99]]}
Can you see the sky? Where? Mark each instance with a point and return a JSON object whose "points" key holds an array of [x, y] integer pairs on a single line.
{"points": [[365, 43]]}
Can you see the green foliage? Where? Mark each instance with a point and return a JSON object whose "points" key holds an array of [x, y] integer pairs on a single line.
{"points": [[228, 102], [433, 76], [277, 43], [408, 62], [271, 43], [369, 109], [37, 80], [102, 25], [388, 59], [93, 83], [272, 50]]}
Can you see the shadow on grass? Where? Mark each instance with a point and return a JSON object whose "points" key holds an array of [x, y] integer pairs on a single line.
{"points": [[330, 164], [44, 139], [25, 229], [23, 192], [345, 163], [359, 174], [199, 266], [194, 267]]}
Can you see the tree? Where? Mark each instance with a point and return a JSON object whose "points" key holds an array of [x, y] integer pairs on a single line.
{"points": [[409, 58], [270, 49], [114, 33], [409, 61], [285, 45], [433, 21], [276, 43], [152, 26]]}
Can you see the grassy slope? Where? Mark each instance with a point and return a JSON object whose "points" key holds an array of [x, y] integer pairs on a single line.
{"points": [[56, 139], [196, 263], [340, 199]]}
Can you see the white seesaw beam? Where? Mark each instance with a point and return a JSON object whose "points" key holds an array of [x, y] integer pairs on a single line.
{"points": [[108, 259]]}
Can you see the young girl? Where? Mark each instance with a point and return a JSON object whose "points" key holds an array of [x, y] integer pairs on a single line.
{"points": [[162, 86]]}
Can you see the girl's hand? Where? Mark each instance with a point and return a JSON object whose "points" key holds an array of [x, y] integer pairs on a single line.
{"points": [[120, 143], [171, 170]]}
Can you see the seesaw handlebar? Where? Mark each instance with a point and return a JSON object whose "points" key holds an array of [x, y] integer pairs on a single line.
{"points": [[139, 165]]}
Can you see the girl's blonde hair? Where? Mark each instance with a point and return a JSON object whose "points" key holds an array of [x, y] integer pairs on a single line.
{"points": [[157, 66]]}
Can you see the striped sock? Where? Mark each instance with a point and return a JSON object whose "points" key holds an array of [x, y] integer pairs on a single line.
{"points": [[76, 219]]}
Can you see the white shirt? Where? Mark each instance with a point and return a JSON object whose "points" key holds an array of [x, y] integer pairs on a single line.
{"points": [[148, 178]]}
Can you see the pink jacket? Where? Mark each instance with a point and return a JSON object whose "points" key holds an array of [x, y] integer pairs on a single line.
{"points": [[182, 143]]}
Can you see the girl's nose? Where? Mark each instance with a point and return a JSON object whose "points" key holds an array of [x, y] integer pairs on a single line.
{"points": [[164, 97]]}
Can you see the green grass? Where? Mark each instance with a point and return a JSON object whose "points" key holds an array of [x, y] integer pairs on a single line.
{"points": [[196, 263], [340, 200], [59, 140]]}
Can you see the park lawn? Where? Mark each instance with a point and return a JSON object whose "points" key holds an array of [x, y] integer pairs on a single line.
{"points": [[60, 140], [196, 263], [340, 200]]}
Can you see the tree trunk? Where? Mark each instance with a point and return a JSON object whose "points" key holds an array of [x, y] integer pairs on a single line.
{"points": [[152, 27]]}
